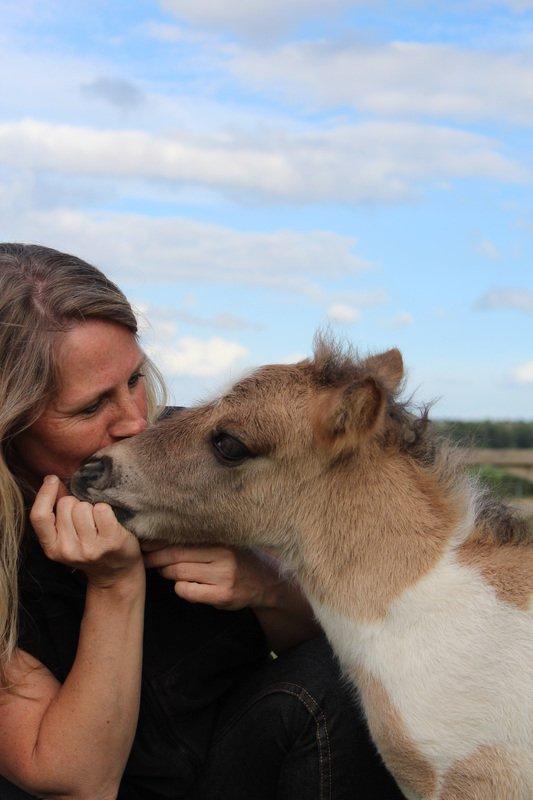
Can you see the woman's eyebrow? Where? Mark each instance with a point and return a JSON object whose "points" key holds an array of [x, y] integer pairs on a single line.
{"points": [[89, 401]]}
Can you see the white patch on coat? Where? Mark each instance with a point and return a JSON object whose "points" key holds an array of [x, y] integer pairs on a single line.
{"points": [[456, 662]]}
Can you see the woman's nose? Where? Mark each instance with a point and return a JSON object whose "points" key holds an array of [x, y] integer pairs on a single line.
{"points": [[129, 422]]}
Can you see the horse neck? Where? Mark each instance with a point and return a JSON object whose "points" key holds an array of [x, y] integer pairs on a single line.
{"points": [[376, 531]]}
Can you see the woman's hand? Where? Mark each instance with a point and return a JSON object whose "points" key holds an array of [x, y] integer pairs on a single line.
{"points": [[83, 536], [229, 578], [72, 739], [223, 577]]}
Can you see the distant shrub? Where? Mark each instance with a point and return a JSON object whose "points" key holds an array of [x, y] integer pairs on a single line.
{"points": [[487, 433], [503, 484]]}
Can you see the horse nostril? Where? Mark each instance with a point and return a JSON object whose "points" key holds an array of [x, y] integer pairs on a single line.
{"points": [[93, 474]]}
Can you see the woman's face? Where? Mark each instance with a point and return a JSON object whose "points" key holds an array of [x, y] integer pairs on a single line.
{"points": [[100, 400]]}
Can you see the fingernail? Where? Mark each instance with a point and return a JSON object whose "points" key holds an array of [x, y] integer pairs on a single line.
{"points": [[51, 479]]}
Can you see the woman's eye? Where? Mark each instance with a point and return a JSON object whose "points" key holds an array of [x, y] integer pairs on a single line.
{"points": [[91, 409], [229, 449], [134, 380]]}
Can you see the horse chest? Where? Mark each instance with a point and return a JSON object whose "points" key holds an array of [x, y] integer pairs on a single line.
{"points": [[434, 674]]}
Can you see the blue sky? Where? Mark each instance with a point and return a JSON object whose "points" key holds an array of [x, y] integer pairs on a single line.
{"points": [[250, 172]]}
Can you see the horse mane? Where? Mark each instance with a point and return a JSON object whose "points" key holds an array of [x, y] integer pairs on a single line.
{"points": [[409, 430]]}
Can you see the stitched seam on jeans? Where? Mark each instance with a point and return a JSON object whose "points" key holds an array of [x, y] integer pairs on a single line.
{"points": [[328, 760], [324, 761], [324, 758]]}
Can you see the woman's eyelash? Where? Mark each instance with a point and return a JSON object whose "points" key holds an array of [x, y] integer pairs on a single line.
{"points": [[133, 381], [91, 409]]}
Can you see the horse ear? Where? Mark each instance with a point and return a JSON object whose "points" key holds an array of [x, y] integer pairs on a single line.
{"points": [[344, 415], [386, 367]]}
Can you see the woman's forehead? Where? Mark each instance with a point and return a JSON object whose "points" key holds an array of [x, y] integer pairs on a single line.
{"points": [[93, 355]]}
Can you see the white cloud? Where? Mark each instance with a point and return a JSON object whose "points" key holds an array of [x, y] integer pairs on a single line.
{"points": [[402, 320], [292, 358], [197, 357], [175, 34], [515, 5], [223, 321], [263, 19], [370, 161], [487, 248], [370, 299], [46, 82], [134, 154], [343, 314], [516, 299], [155, 327], [180, 91], [258, 18], [117, 91], [163, 322], [397, 78], [134, 247], [524, 373]]}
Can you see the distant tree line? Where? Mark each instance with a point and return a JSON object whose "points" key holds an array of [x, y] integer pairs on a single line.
{"points": [[487, 433]]}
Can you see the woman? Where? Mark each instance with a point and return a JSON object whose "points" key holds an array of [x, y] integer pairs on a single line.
{"points": [[92, 707]]}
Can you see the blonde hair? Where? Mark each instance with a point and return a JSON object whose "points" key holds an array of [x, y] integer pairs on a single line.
{"points": [[42, 293]]}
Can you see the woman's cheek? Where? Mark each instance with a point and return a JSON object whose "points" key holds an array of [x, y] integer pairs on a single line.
{"points": [[142, 400], [94, 436]]}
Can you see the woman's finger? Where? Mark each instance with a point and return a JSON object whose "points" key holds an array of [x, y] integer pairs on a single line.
{"points": [[113, 536], [197, 573], [42, 515], [84, 524], [62, 490], [177, 553], [202, 593], [65, 527], [104, 517]]}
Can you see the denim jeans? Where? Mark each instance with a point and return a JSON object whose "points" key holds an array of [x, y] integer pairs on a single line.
{"points": [[292, 731]]}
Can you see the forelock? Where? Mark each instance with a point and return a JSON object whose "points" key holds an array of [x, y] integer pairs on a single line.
{"points": [[334, 363]]}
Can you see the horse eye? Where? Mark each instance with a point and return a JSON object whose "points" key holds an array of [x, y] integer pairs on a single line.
{"points": [[229, 449]]}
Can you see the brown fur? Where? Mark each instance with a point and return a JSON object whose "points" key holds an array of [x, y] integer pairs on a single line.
{"points": [[336, 367], [488, 774], [506, 566], [370, 499], [351, 487], [399, 752], [498, 523], [374, 560]]}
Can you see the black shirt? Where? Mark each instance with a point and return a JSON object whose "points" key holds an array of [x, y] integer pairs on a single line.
{"points": [[192, 655]]}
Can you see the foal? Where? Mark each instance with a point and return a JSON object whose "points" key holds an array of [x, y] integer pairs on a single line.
{"points": [[421, 581]]}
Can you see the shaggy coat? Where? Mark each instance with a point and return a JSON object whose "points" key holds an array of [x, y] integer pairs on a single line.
{"points": [[421, 581]]}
